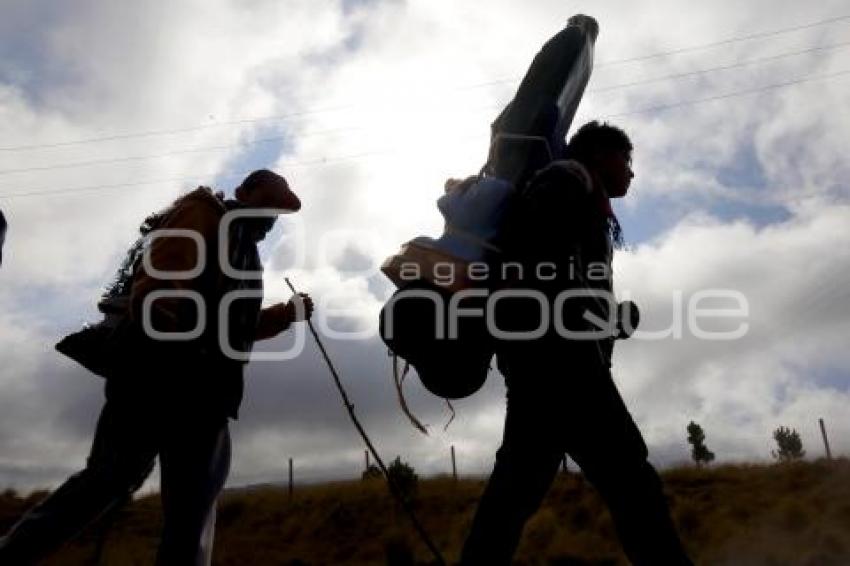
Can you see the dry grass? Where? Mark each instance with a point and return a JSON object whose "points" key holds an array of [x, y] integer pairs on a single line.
{"points": [[796, 514]]}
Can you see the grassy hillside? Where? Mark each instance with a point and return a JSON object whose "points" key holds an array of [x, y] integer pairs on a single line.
{"points": [[733, 515]]}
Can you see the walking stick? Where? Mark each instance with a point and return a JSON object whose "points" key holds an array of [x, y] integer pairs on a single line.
{"points": [[396, 492]]}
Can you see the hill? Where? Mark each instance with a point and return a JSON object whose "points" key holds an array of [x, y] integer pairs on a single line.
{"points": [[797, 514]]}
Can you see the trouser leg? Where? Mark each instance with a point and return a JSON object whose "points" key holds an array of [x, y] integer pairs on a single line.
{"points": [[122, 456], [526, 465], [641, 516], [194, 463], [582, 412], [613, 456]]}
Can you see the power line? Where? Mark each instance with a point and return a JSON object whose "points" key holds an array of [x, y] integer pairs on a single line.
{"points": [[320, 162], [173, 153], [163, 132], [289, 116], [360, 128], [724, 41], [691, 47], [138, 157], [395, 149], [720, 68], [730, 95]]}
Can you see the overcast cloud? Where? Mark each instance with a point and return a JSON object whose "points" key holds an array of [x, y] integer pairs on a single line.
{"points": [[108, 111]]}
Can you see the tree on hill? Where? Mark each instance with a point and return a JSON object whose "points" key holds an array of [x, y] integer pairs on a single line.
{"points": [[699, 451], [790, 447], [405, 479]]}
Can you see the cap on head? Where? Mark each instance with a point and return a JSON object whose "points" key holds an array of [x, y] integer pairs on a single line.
{"points": [[266, 189]]}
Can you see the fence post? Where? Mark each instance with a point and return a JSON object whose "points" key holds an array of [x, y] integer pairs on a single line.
{"points": [[825, 440], [564, 467], [290, 478], [366, 452], [454, 464]]}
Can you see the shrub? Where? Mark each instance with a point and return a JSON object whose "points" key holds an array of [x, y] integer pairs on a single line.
{"points": [[790, 447], [404, 478], [699, 451]]}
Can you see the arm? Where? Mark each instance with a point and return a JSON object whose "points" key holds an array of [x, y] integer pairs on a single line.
{"points": [[272, 321], [569, 229], [555, 207], [275, 319]]}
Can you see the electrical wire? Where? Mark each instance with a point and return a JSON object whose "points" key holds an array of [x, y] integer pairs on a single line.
{"points": [[396, 148], [291, 115], [281, 138]]}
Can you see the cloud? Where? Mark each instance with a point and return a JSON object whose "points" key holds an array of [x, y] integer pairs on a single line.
{"points": [[372, 105], [791, 276]]}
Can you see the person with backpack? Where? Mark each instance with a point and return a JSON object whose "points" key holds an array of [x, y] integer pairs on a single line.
{"points": [[561, 397], [172, 378]]}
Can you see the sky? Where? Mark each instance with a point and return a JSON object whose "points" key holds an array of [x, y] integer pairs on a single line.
{"points": [[738, 114]]}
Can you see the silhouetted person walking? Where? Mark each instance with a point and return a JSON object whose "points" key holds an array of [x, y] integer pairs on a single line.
{"points": [[3, 226], [173, 399], [560, 394]]}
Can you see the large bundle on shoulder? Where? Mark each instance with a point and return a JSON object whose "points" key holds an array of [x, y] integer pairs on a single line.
{"points": [[110, 346], [437, 278]]}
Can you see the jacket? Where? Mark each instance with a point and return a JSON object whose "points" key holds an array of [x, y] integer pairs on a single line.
{"points": [[561, 221], [201, 211]]}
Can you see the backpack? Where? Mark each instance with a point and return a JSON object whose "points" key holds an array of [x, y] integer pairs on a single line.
{"points": [[104, 347], [527, 135]]}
